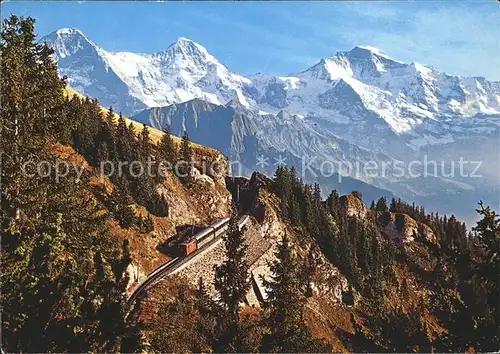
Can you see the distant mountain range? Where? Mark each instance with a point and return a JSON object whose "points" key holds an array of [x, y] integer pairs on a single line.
{"points": [[354, 107]]}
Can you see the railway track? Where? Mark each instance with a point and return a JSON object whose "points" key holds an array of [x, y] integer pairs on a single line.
{"points": [[174, 264]]}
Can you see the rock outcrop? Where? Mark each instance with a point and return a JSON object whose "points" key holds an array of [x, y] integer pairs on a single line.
{"points": [[353, 206], [401, 227]]}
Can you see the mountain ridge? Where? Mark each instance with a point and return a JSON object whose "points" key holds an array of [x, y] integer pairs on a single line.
{"points": [[191, 64], [362, 98]]}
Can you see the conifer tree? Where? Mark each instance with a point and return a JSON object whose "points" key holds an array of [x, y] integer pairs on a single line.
{"points": [[121, 204], [232, 283], [281, 183], [310, 211], [345, 250], [123, 147], [333, 204], [394, 206], [185, 167], [132, 138], [31, 106], [52, 293], [167, 147], [87, 129], [110, 119], [364, 245], [103, 156], [107, 136], [294, 212], [285, 303], [231, 277], [307, 271], [488, 240], [144, 189], [208, 324], [381, 204], [283, 189], [144, 183], [145, 148]]}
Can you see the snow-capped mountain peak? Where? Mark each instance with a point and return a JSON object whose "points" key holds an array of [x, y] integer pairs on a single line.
{"points": [[186, 51], [70, 32], [366, 61], [360, 62], [356, 105], [366, 86], [367, 52], [370, 49], [188, 46], [68, 41], [182, 72], [363, 85]]}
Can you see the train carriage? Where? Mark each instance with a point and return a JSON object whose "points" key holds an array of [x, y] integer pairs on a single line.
{"points": [[215, 230], [206, 236]]}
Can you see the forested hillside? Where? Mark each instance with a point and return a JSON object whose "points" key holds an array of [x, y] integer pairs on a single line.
{"points": [[425, 284], [71, 228], [414, 280]]}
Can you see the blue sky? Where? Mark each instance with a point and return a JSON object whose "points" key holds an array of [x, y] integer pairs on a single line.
{"points": [[458, 37]]}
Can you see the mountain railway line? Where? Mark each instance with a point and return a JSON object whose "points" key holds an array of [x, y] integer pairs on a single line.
{"points": [[200, 243]]}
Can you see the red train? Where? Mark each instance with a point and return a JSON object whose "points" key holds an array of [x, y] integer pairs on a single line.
{"points": [[205, 236]]}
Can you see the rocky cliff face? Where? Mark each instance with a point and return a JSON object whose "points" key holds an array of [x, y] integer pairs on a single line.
{"points": [[402, 228], [352, 206], [263, 233], [398, 227]]}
